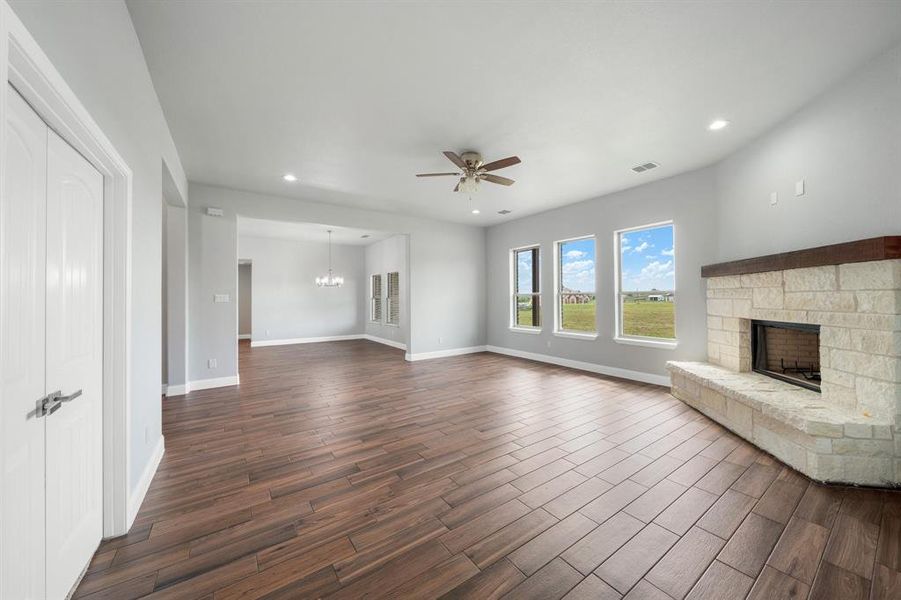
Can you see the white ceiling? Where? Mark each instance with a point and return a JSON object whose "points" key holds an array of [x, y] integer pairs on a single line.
{"points": [[357, 97], [308, 232]]}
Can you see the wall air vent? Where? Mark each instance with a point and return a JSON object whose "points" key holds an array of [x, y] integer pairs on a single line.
{"points": [[504, 212], [645, 167]]}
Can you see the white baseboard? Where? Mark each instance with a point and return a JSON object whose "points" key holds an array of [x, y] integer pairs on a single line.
{"points": [[307, 340], [244, 336], [585, 366], [176, 390], [444, 353], [165, 389], [387, 342], [216, 382], [137, 496]]}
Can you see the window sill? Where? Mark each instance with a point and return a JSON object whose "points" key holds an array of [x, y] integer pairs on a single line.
{"points": [[576, 336], [532, 331], [375, 322], [392, 324], [647, 343]]}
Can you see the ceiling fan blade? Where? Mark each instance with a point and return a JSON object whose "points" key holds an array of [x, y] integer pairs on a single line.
{"points": [[496, 179], [500, 164], [436, 174], [454, 158], [457, 187]]}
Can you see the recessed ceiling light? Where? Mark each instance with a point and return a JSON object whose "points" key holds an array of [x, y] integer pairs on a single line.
{"points": [[718, 124], [289, 177], [476, 211]]}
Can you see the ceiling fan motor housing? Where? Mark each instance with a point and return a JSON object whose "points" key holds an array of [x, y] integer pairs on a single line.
{"points": [[472, 159]]}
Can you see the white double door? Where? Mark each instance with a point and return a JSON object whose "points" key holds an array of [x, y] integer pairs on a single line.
{"points": [[51, 325]]}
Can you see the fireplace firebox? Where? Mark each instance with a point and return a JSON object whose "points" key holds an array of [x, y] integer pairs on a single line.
{"points": [[787, 351]]}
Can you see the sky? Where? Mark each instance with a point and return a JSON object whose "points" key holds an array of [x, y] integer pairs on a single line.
{"points": [[577, 260], [647, 259]]}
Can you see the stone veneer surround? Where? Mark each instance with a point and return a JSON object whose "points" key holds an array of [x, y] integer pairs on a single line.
{"points": [[849, 433]]}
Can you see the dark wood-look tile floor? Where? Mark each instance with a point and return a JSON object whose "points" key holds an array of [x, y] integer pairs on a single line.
{"points": [[339, 470]]}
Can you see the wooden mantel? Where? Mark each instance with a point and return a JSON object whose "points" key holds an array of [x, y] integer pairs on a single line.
{"points": [[878, 248]]}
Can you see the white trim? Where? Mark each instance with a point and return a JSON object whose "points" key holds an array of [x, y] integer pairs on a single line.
{"points": [[137, 497], [662, 344], [529, 330], [177, 390], [27, 67], [444, 353], [306, 340], [513, 305], [641, 376], [387, 342], [216, 382], [165, 388], [576, 336], [244, 336]]}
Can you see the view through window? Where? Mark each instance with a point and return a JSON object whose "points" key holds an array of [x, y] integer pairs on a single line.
{"points": [[647, 286], [375, 298], [526, 296], [576, 299]]}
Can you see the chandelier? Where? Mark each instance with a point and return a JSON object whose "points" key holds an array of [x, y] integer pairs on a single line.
{"points": [[330, 280]]}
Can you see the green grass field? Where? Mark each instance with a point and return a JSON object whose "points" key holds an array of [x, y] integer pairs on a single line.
{"points": [[649, 319], [642, 318]]}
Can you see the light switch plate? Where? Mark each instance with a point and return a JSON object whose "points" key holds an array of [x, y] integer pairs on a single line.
{"points": [[774, 198], [220, 298], [799, 187]]}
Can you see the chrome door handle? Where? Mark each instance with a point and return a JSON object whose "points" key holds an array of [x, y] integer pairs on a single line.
{"points": [[52, 402], [70, 397]]}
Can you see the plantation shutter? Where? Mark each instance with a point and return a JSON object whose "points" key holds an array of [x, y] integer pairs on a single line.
{"points": [[375, 307], [394, 298]]}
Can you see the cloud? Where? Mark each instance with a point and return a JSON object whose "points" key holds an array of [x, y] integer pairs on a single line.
{"points": [[577, 266], [667, 252], [656, 269], [642, 247], [574, 254]]}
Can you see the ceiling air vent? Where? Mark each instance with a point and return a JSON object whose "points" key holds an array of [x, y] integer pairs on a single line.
{"points": [[504, 212], [645, 167]]}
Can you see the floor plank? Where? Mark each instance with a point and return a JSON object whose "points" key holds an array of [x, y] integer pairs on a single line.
{"points": [[340, 470]]}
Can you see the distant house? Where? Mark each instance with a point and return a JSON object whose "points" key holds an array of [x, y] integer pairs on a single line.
{"points": [[568, 296], [656, 298]]}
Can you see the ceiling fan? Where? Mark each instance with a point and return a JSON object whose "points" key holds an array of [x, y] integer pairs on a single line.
{"points": [[473, 170]]}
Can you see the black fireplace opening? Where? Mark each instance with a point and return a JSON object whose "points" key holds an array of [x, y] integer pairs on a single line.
{"points": [[787, 351]]}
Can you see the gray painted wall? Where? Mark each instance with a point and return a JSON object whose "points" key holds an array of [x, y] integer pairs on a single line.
{"points": [[102, 62], [177, 288], [846, 145], [245, 298], [686, 199], [385, 257], [287, 304], [446, 271]]}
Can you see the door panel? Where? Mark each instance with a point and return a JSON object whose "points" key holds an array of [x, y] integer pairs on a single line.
{"points": [[74, 362], [22, 360]]}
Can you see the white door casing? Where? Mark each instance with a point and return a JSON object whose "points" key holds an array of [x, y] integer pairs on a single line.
{"points": [[22, 351], [74, 433]]}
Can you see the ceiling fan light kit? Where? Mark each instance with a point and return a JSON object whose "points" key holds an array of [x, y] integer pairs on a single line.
{"points": [[474, 170]]}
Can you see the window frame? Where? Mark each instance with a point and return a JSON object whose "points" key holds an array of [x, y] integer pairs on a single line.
{"points": [[536, 279], [388, 321], [637, 340], [372, 299], [559, 331]]}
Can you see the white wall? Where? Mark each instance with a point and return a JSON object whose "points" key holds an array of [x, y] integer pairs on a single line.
{"points": [[383, 257], [177, 289], [846, 145], [245, 298], [101, 60], [685, 199], [446, 271], [287, 303]]}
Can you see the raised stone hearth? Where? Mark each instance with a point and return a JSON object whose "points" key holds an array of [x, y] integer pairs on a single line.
{"points": [[848, 433]]}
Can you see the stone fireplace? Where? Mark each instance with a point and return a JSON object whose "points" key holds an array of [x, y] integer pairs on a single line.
{"points": [[804, 358]]}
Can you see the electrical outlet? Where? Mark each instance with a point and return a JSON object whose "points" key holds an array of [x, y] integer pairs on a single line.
{"points": [[211, 364], [146, 434], [441, 340], [774, 198], [549, 343], [221, 298]]}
